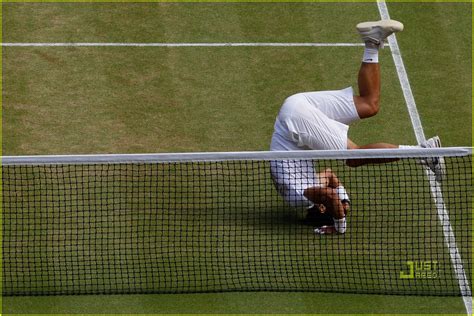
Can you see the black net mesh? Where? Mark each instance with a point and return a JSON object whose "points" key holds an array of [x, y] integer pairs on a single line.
{"points": [[222, 226]]}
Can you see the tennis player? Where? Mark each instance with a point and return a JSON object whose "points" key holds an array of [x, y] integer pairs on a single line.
{"points": [[320, 121]]}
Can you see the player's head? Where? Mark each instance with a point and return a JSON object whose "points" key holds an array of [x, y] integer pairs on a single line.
{"points": [[318, 216]]}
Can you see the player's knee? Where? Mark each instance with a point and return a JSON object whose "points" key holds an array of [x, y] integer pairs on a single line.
{"points": [[330, 175], [328, 171]]}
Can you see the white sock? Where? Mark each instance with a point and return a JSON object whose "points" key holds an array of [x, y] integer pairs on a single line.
{"points": [[340, 225], [371, 55]]}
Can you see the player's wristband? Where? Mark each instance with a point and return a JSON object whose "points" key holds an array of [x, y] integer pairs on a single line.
{"points": [[340, 225], [342, 194]]}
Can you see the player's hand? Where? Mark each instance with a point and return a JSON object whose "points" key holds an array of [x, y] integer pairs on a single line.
{"points": [[325, 230]]}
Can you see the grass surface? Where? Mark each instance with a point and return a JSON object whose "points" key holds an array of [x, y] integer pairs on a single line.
{"points": [[127, 100], [148, 106], [439, 66], [104, 100], [238, 303]]}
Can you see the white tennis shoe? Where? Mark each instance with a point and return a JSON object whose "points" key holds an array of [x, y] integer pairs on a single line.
{"points": [[436, 164], [377, 31]]}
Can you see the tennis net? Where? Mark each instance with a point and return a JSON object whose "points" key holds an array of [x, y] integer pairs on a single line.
{"points": [[212, 222]]}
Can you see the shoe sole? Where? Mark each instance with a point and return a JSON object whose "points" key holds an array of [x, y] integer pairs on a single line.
{"points": [[436, 140], [441, 162], [387, 25], [441, 172]]}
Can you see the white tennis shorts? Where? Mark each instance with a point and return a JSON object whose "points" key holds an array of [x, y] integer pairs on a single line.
{"points": [[315, 120], [310, 120], [292, 178]]}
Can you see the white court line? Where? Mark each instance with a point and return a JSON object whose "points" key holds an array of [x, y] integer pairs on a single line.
{"points": [[403, 77], [436, 193], [181, 44]]}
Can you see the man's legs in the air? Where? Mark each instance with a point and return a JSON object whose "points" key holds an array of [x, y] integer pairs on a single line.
{"points": [[373, 34], [368, 101]]}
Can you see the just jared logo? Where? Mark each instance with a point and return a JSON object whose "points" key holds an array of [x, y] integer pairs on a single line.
{"points": [[420, 270]]}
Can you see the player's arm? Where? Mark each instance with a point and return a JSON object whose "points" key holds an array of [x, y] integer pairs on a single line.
{"points": [[329, 197], [328, 178]]}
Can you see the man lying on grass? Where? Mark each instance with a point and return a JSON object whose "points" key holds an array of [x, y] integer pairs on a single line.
{"points": [[320, 121]]}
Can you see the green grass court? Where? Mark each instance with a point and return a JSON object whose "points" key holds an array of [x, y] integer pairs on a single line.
{"points": [[79, 100]]}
